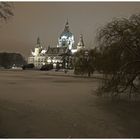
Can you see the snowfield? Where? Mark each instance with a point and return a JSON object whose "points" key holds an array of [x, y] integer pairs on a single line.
{"points": [[36, 105]]}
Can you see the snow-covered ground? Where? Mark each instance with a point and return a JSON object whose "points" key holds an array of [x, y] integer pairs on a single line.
{"points": [[37, 104]]}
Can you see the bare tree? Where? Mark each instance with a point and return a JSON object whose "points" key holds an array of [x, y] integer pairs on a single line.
{"points": [[6, 10], [119, 43]]}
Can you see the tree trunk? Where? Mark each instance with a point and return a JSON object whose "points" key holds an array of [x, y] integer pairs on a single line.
{"points": [[88, 74]]}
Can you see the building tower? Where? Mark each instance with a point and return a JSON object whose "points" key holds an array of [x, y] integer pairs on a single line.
{"points": [[38, 55], [80, 44], [66, 29], [38, 41], [37, 48], [66, 38]]}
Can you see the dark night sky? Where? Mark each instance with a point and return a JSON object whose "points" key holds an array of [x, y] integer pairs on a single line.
{"points": [[47, 20]]}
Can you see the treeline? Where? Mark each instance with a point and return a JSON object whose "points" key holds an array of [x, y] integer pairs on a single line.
{"points": [[116, 56], [7, 60], [119, 47]]}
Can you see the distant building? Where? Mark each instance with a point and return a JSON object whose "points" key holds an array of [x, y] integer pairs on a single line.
{"points": [[65, 46]]}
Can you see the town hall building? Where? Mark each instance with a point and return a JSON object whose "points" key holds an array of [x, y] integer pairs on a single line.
{"points": [[65, 46]]}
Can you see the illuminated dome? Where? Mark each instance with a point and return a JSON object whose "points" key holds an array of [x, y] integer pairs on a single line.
{"points": [[66, 38]]}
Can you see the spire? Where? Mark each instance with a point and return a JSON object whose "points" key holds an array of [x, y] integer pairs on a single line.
{"points": [[38, 41], [67, 22], [66, 26], [81, 42]]}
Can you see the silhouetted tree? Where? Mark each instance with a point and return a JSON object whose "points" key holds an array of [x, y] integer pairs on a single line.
{"points": [[84, 62], [7, 60], [6, 10], [119, 46]]}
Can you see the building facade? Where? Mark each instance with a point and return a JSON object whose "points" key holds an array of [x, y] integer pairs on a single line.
{"points": [[65, 46]]}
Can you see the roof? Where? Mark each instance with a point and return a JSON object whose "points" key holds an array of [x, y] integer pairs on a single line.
{"points": [[66, 33], [56, 50]]}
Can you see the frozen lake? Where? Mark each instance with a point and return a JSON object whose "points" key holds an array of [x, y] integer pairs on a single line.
{"points": [[33, 104]]}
